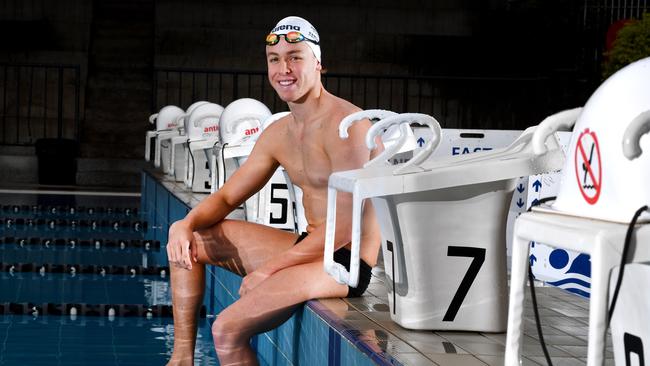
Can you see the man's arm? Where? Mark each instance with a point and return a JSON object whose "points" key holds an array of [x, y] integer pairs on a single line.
{"points": [[245, 181]]}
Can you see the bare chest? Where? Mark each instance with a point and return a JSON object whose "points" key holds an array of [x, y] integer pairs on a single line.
{"points": [[306, 161]]}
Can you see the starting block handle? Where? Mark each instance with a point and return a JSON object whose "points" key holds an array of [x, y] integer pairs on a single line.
{"points": [[200, 117], [639, 126], [389, 151], [375, 115], [408, 118], [372, 114], [563, 120], [180, 120]]}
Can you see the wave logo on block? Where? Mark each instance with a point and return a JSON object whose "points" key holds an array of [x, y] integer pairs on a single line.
{"points": [[564, 269]]}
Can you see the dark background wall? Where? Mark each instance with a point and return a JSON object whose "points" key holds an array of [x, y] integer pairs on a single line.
{"points": [[407, 37], [472, 64]]}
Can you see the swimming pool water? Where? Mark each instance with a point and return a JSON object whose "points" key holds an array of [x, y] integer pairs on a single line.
{"points": [[92, 340], [93, 255]]}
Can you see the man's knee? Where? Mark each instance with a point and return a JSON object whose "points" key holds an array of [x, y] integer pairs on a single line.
{"points": [[227, 333]]}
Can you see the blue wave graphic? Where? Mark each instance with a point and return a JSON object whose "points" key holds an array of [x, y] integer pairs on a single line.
{"points": [[572, 281], [575, 285]]}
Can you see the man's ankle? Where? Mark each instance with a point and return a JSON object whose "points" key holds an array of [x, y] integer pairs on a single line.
{"points": [[179, 359]]}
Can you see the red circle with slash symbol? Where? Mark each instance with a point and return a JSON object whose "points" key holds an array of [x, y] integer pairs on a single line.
{"points": [[588, 166]]}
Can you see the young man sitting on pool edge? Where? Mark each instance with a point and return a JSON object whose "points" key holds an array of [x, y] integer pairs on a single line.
{"points": [[281, 269]]}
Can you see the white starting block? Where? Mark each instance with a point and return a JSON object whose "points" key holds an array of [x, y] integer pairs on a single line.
{"points": [[165, 121], [604, 182], [176, 166], [603, 241], [202, 135], [630, 330], [443, 225]]}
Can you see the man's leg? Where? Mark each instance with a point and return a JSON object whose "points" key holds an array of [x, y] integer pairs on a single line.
{"points": [[188, 288], [238, 246], [268, 305]]}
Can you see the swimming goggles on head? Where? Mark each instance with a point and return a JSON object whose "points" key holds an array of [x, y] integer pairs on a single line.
{"points": [[292, 37]]}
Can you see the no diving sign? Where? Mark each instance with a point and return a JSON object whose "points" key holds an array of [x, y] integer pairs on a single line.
{"points": [[588, 166]]}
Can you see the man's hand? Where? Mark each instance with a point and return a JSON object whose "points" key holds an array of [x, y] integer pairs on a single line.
{"points": [[252, 280], [181, 249]]}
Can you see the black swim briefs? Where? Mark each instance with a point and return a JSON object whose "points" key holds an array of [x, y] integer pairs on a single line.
{"points": [[342, 256]]}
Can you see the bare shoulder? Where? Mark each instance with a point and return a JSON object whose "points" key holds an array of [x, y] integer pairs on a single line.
{"points": [[276, 128], [340, 108], [275, 131], [273, 139], [350, 153]]}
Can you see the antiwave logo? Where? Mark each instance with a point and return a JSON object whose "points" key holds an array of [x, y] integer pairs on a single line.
{"points": [[251, 131], [208, 129], [286, 27]]}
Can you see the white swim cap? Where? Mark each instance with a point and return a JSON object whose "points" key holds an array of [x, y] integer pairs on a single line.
{"points": [[298, 24]]}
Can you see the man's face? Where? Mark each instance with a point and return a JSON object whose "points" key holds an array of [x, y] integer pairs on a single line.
{"points": [[292, 69]]}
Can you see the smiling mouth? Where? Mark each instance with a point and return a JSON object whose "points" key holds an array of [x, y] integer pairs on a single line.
{"points": [[286, 82]]}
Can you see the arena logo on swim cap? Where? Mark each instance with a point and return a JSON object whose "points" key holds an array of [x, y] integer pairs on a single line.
{"points": [[286, 27]]}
